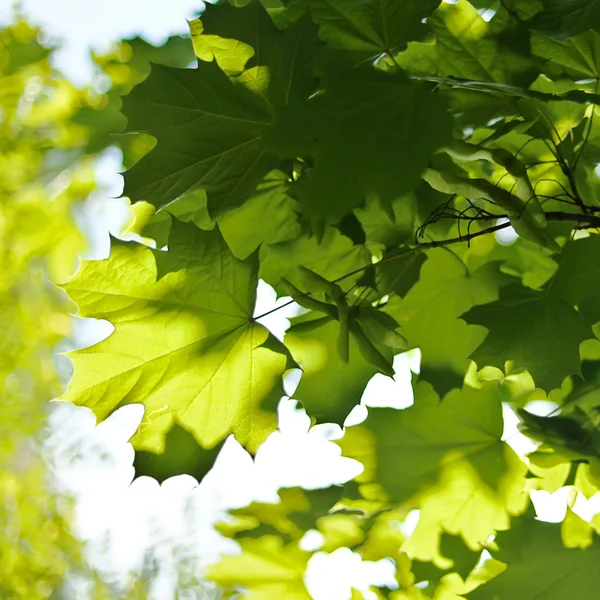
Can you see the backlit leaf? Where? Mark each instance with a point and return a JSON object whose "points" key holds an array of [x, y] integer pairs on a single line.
{"points": [[266, 568], [413, 445], [184, 343]]}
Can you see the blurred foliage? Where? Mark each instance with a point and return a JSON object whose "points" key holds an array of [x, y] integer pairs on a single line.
{"points": [[41, 181], [50, 133]]}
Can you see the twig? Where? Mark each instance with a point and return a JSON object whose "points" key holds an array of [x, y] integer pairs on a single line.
{"points": [[585, 220]]}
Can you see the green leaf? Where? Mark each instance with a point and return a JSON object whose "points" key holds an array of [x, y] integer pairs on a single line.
{"points": [[329, 387], [577, 277], [208, 126], [182, 456], [429, 315], [524, 9], [557, 431], [208, 131], [536, 330], [566, 18], [20, 53], [414, 444], [245, 228], [463, 557], [148, 223], [462, 491], [331, 257], [388, 227], [538, 563], [585, 392], [372, 27], [579, 56], [184, 344], [296, 512], [266, 568], [352, 134], [287, 54], [399, 271], [464, 47], [246, 38]]}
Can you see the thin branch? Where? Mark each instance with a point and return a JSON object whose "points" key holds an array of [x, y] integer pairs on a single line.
{"points": [[424, 246], [464, 238], [539, 162], [503, 89], [558, 183], [587, 220], [582, 220]]}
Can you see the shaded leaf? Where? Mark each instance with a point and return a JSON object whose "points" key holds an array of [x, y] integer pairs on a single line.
{"points": [[578, 56], [389, 226], [577, 278], [539, 563], [566, 18], [246, 37], [329, 388], [399, 271], [351, 133], [181, 456], [534, 329], [463, 557], [465, 47], [208, 131], [370, 28], [269, 216]]}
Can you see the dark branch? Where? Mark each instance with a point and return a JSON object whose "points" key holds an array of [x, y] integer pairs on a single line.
{"points": [[582, 221]]}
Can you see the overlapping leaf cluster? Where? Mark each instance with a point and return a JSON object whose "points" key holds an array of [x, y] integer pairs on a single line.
{"points": [[362, 157]]}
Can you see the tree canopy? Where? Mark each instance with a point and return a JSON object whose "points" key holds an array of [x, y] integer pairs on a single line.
{"points": [[413, 175]]}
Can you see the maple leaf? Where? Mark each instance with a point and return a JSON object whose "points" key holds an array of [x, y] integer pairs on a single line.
{"points": [[373, 27], [209, 127], [577, 276], [414, 444], [182, 456], [464, 47], [351, 134], [184, 344], [566, 18], [208, 131], [329, 387], [533, 328], [538, 565], [266, 568], [429, 314]]}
